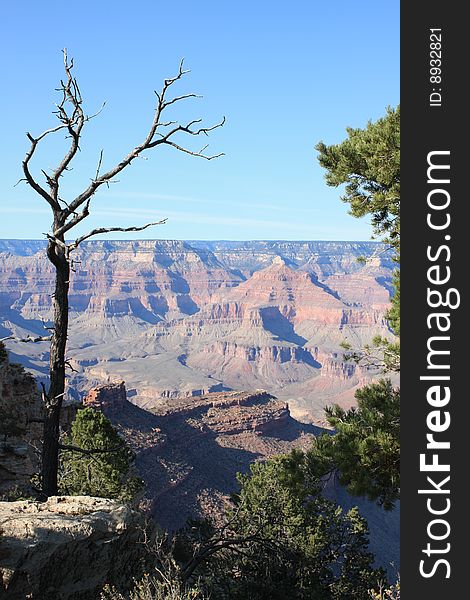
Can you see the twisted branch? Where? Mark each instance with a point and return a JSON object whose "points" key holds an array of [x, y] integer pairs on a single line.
{"points": [[100, 230], [150, 141], [72, 119]]}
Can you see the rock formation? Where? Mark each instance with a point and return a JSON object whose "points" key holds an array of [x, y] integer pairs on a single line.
{"points": [[189, 450], [107, 398], [68, 547], [20, 427], [190, 468], [177, 319]]}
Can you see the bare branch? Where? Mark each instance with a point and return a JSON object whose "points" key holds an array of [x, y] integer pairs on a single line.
{"points": [[46, 398], [68, 364], [150, 141], [167, 124], [44, 395], [92, 451], [64, 201], [178, 98], [198, 154], [56, 241], [27, 339], [166, 139], [172, 80], [47, 177], [74, 221], [99, 165], [100, 230], [186, 129], [29, 178], [47, 132], [74, 123], [98, 112]]}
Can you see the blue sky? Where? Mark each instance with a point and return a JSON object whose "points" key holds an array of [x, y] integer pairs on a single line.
{"points": [[285, 75]]}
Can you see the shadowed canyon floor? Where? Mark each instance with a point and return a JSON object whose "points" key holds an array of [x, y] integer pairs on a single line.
{"points": [[190, 450]]}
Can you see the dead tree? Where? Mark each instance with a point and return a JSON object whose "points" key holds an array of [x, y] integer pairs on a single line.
{"points": [[67, 214]]}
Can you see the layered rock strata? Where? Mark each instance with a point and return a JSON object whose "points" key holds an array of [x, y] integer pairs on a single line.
{"points": [[178, 320]]}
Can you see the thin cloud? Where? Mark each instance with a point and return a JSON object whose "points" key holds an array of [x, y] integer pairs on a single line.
{"points": [[212, 202], [193, 217], [174, 216]]}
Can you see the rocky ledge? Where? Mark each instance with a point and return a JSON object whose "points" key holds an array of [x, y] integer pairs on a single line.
{"points": [[20, 426], [68, 547]]}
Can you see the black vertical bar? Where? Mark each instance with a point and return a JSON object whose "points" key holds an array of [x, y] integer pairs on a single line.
{"points": [[434, 112]]}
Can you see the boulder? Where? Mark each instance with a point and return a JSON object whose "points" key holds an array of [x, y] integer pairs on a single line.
{"points": [[68, 547]]}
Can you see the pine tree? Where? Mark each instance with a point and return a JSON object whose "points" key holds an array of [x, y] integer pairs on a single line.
{"points": [[95, 460], [366, 445]]}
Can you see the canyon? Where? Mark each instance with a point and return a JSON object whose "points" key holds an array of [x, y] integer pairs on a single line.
{"points": [[205, 356], [189, 450], [179, 320]]}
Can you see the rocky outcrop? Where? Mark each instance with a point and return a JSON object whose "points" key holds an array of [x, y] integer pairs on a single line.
{"points": [[20, 427], [144, 279], [230, 413], [207, 441], [258, 412], [269, 354], [364, 288], [154, 280], [107, 398], [68, 547]]}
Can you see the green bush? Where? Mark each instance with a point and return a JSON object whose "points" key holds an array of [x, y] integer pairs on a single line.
{"points": [[96, 461], [366, 445], [284, 540]]}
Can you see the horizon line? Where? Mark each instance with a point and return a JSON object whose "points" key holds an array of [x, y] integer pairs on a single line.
{"points": [[357, 241]]}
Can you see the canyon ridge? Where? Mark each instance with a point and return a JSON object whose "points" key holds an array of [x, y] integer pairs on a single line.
{"points": [[178, 319]]}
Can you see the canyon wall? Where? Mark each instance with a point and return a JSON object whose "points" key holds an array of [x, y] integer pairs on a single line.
{"points": [[181, 319]]}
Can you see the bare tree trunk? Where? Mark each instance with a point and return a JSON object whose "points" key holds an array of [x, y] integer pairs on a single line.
{"points": [[55, 394], [66, 215]]}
